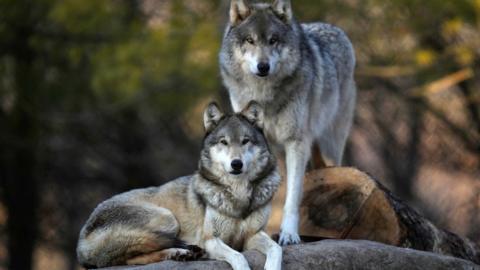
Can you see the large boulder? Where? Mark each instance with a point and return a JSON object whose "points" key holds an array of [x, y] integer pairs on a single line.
{"points": [[332, 254]]}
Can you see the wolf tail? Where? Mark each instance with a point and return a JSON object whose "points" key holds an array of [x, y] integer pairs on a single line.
{"points": [[114, 235]]}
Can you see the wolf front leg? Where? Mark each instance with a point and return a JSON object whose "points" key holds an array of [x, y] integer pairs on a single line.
{"points": [[297, 154], [273, 252], [218, 250]]}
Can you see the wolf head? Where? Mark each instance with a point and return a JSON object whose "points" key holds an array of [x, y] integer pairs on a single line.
{"points": [[234, 145], [261, 40]]}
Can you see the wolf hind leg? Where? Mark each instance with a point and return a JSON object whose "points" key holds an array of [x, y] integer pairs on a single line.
{"points": [[317, 161], [328, 151], [176, 254], [333, 139], [116, 233], [332, 142]]}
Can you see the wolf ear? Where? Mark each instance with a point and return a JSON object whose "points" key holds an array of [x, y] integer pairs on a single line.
{"points": [[283, 8], [239, 11], [211, 116], [254, 113]]}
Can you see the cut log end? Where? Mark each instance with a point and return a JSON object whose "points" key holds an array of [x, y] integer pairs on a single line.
{"points": [[345, 203]]}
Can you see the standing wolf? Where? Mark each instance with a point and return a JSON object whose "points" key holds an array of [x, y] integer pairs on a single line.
{"points": [[302, 76], [222, 207]]}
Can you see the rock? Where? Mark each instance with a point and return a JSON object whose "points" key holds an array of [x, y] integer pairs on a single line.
{"points": [[332, 254]]}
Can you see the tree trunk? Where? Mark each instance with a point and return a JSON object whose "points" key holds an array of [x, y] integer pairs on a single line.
{"points": [[20, 187]]}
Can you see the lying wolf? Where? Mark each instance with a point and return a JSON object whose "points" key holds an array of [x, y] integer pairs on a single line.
{"points": [[222, 208], [302, 76]]}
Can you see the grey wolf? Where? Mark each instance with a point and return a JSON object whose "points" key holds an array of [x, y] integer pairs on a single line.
{"points": [[222, 208], [303, 77]]}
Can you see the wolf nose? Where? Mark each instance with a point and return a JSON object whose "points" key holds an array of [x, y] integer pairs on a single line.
{"points": [[263, 68], [237, 164]]}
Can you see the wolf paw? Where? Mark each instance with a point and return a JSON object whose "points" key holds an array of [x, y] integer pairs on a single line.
{"points": [[198, 252], [289, 230], [287, 238], [190, 254], [182, 256]]}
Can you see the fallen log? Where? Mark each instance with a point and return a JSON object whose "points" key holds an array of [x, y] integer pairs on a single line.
{"points": [[330, 255], [345, 203]]}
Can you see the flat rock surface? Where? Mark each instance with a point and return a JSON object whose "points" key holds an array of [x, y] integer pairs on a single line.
{"points": [[332, 254]]}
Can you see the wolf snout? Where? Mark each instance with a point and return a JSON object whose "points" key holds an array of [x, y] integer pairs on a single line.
{"points": [[263, 69], [237, 166]]}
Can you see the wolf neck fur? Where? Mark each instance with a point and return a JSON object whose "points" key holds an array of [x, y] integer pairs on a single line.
{"points": [[233, 197]]}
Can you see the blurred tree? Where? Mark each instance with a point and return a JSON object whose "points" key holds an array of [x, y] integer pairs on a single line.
{"points": [[418, 76], [93, 102]]}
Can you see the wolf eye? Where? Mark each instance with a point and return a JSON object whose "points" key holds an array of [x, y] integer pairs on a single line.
{"points": [[249, 40], [245, 141], [224, 142], [273, 40]]}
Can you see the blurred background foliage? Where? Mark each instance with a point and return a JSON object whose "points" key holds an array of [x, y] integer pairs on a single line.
{"points": [[98, 97]]}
